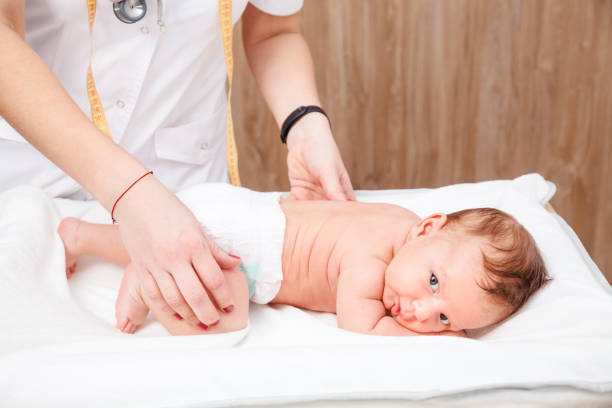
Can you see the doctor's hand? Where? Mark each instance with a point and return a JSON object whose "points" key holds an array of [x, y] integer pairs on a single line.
{"points": [[316, 170], [174, 262]]}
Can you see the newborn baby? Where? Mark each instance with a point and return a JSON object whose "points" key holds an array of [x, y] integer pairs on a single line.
{"points": [[379, 267]]}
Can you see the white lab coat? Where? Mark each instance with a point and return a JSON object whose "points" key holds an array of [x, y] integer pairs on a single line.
{"points": [[163, 93]]}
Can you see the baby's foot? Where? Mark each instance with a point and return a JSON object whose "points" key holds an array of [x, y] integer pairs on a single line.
{"points": [[130, 310], [67, 230]]}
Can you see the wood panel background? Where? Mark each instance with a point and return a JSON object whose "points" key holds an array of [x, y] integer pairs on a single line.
{"points": [[425, 93]]}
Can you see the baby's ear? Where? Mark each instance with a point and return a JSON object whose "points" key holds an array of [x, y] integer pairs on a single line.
{"points": [[428, 225]]}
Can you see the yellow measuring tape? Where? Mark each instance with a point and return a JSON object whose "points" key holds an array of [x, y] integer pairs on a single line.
{"points": [[97, 112], [225, 14]]}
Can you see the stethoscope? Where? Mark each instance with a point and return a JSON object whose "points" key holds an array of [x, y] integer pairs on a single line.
{"points": [[131, 11]]}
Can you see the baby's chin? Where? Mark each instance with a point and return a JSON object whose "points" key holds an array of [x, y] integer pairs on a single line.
{"points": [[407, 325], [414, 326]]}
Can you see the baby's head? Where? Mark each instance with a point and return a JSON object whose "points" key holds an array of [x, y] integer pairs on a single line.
{"points": [[465, 270]]}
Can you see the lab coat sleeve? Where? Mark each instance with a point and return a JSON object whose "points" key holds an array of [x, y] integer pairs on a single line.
{"points": [[278, 7]]}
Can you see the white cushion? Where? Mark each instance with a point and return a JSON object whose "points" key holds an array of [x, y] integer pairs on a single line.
{"points": [[54, 333]]}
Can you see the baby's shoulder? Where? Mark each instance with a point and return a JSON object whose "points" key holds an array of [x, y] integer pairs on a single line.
{"points": [[379, 225], [363, 274], [391, 212]]}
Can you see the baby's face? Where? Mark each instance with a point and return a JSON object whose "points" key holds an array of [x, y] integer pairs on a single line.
{"points": [[431, 285]]}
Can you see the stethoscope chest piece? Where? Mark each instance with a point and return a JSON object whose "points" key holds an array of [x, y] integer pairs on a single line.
{"points": [[130, 11]]}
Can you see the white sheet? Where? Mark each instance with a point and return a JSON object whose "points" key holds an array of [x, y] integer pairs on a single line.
{"points": [[59, 346]]}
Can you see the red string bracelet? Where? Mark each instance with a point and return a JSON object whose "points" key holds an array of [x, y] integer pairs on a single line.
{"points": [[126, 190]]}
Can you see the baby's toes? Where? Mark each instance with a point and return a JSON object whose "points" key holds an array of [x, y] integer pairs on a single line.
{"points": [[67, 231], [70, 270], [130, 309]]}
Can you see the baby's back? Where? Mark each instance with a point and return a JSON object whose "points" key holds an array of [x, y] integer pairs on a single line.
{"points": [[322, 236]]}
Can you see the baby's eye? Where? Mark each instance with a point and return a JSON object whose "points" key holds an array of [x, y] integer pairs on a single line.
{"points": [[433, 282], [444, 319]]}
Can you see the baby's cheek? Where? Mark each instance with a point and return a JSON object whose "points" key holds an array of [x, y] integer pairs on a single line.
{"points": [[420, 327]]}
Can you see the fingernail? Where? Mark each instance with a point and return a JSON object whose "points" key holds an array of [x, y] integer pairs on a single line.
{"points": [[234, 256], [215, 323], [203, 326], [178, 316], [229, 309]]}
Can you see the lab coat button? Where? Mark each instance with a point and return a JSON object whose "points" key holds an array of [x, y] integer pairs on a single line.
{"points": [[144, 30], [204, 146], [120, 104]]}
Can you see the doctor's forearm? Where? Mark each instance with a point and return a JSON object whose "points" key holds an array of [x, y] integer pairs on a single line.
{"points": [[35, 104], [283, 68]]}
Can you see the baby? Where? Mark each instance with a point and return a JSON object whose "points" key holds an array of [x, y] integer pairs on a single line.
{"points": [[379, 267]]}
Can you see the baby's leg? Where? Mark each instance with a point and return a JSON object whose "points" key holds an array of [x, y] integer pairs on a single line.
{"points": [[104, 241], [140, 305], [85, 238]]}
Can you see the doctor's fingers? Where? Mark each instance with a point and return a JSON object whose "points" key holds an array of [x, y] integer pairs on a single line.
{"points": [[213, 279], [333, 187], [347, 186], [225, 260], [163, 292], [194, 293]]}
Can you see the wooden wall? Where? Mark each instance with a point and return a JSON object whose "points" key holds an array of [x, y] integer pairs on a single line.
{"points": [[425, 93]]}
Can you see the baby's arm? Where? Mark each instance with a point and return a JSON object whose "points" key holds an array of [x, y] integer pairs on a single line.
{"points": [[358, 304], [368, 316]]}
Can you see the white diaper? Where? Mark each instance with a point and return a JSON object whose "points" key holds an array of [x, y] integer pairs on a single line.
{"points": [[246, 223]]}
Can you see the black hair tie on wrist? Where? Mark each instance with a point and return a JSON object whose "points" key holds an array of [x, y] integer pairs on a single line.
{"points": [[297, 115]]}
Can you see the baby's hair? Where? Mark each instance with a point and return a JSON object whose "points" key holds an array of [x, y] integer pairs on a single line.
{"points": [[514, 265]]}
